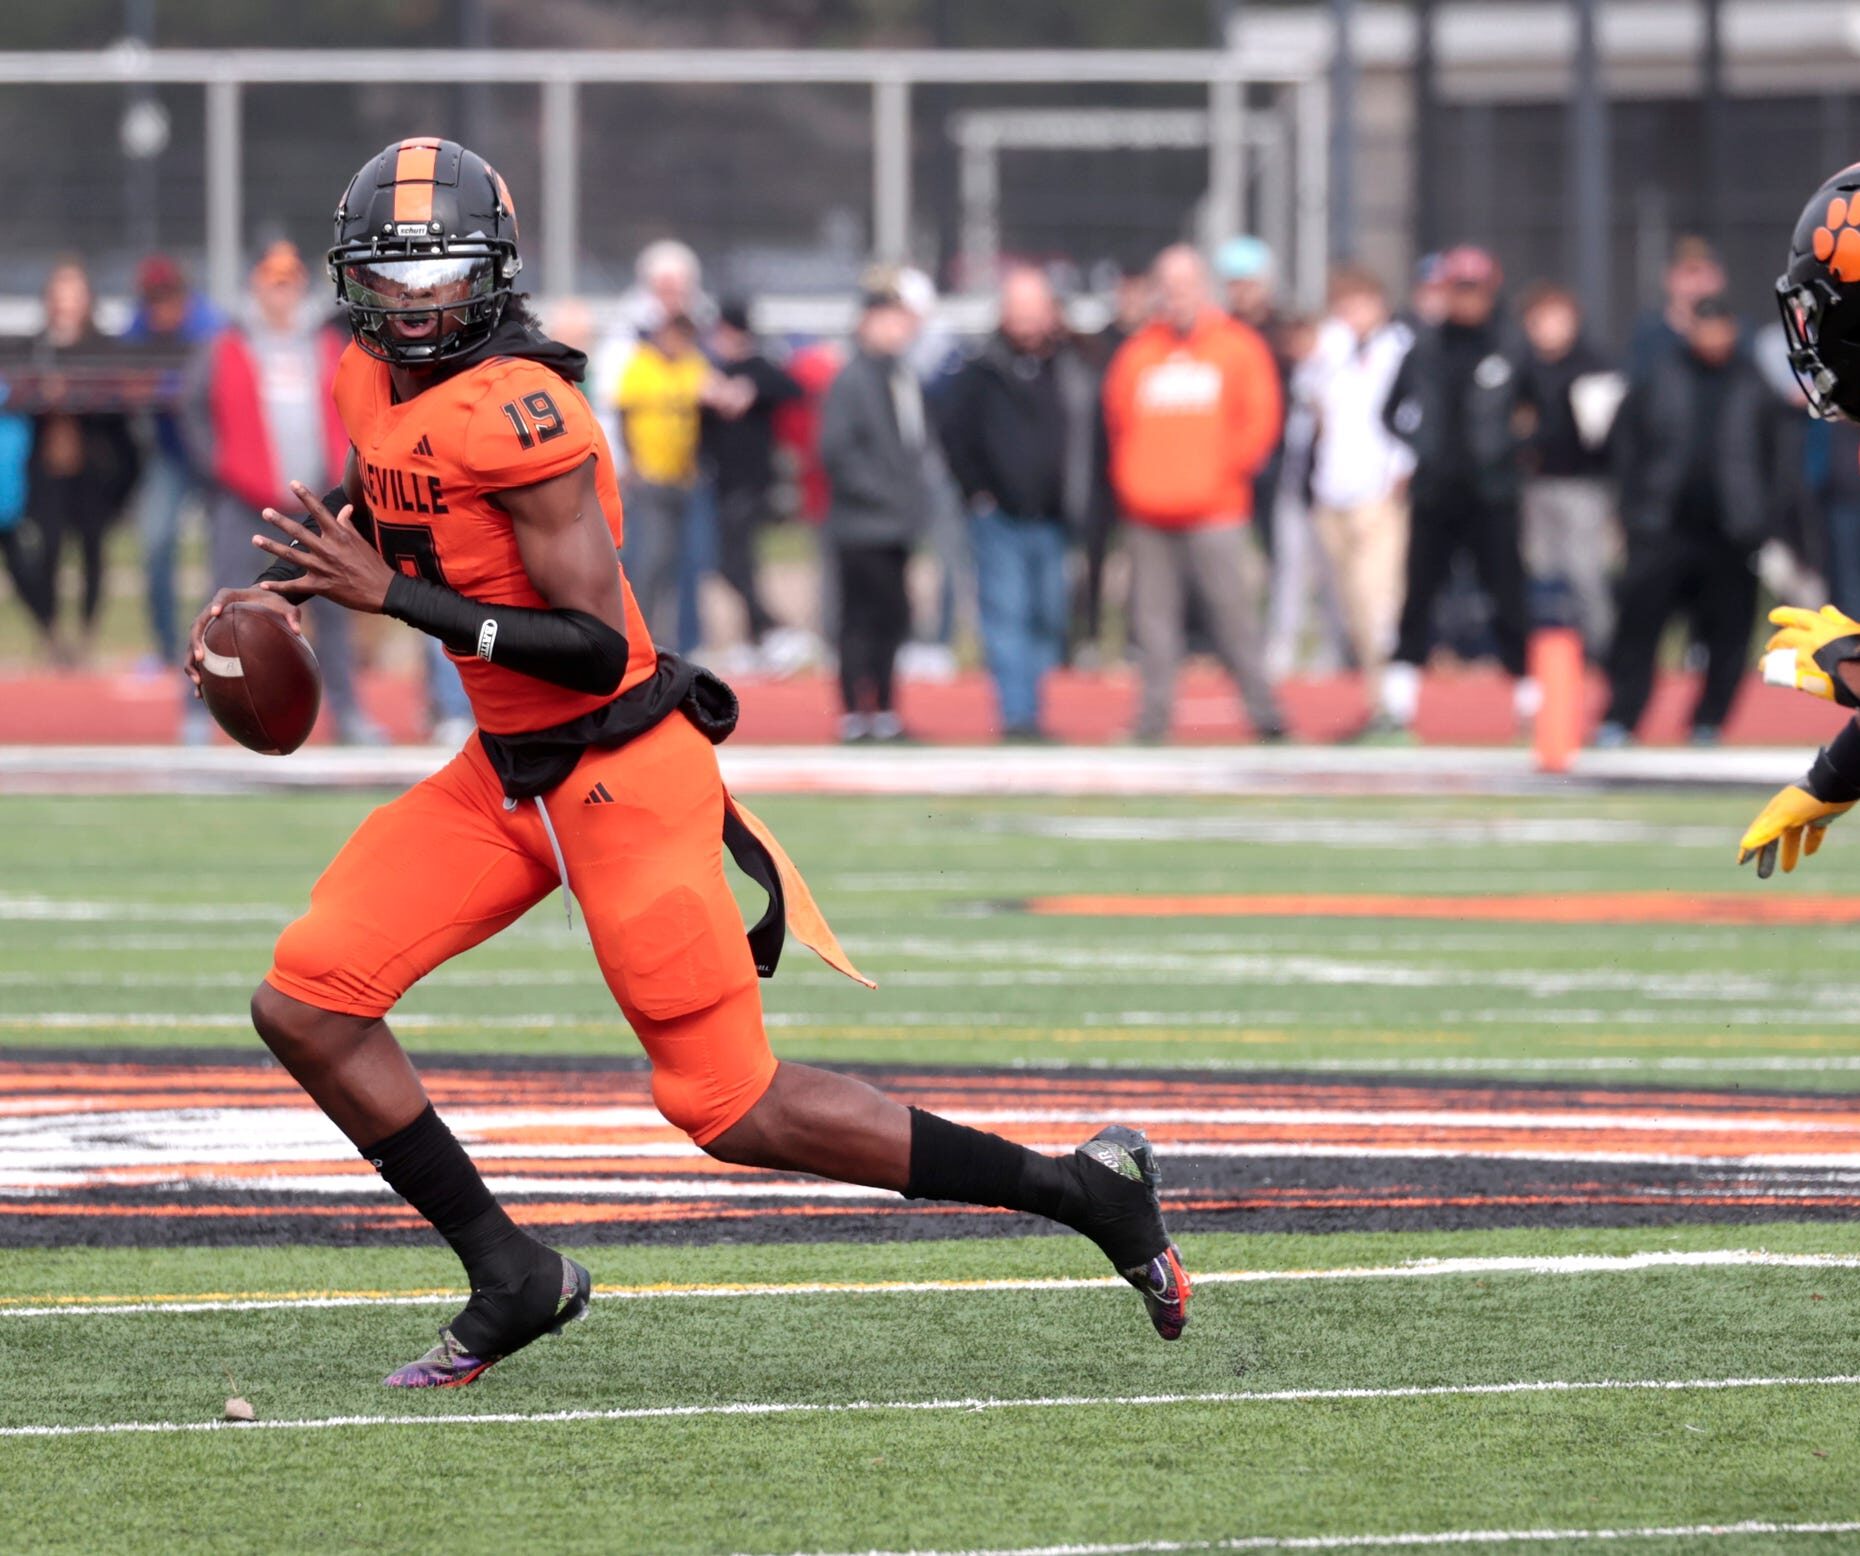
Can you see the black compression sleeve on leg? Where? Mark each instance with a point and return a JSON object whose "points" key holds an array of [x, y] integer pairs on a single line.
{"points": [[952, 1161], [564, 647], [426, 1166], [1834, 778]]}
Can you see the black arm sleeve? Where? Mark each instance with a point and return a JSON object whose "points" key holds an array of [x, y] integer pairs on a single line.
{"points": [[1834, 779], [564, 648], [335, 500]]}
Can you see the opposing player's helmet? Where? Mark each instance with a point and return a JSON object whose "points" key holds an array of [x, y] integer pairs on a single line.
{"points": [[1820, 298], [425, 252]]}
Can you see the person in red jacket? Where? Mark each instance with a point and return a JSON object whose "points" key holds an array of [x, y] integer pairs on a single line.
{"points": [[259, 406], [1192, 410]]}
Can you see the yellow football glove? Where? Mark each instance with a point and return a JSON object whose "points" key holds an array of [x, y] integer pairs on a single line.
{"points": [[1809, 651], [1793, 821]]}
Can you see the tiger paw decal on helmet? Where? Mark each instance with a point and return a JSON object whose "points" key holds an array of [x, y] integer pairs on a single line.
{"points": [[1837, 240], [1819, 297]]}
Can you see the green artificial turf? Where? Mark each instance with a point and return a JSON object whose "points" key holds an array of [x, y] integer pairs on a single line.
{"points": [[948, 1479], [147, 920]]}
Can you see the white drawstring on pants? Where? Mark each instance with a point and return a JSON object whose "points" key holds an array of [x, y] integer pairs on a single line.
{"points": [[561, 864]]}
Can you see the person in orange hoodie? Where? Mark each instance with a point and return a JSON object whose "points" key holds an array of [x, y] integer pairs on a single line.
{"points": [[1192, 410]]}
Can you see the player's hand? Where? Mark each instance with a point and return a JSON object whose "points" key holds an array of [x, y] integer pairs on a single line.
{"points": [[263, 598], [1812, 651], [338, 564], [1793, 823]]}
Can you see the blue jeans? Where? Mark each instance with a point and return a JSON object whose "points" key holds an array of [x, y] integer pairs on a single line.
{"points": [[1843, 522], [1020, 574], [445, 692], [166, 485], [697, 555]]}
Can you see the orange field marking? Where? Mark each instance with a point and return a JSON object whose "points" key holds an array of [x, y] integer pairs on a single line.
{"points": [[1597, 907]]}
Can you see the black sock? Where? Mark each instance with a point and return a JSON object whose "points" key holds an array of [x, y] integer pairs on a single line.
{"points": [[972, 1167], [952, 1161], [427, 1167]]}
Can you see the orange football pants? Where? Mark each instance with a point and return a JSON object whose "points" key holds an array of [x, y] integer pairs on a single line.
{"points": [[451, 862]]}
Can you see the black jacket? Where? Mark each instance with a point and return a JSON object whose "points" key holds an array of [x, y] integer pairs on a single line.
{"points": [[879, 483], [1556, 447], [1020, 429], [1658, 436], [1455, 402], [741, 450]]}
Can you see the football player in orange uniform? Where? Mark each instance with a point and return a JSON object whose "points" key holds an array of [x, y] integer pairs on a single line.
{"points": [[479, 505], [1818, 651]]}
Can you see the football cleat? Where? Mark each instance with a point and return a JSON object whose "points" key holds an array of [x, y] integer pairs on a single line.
{"points": [[448, 1365], [1160, 1280], [1163, 1285]]}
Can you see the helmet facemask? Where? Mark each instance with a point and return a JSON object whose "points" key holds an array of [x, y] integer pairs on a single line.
{"points": [[415, 307], [1804, 311]]}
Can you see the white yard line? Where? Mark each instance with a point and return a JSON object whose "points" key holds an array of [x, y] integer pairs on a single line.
{"points": [[1419, 1269], [1416, 1541], [1218, 771], [928, 1406]]}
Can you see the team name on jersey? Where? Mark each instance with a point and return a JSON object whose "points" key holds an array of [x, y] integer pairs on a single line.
{"points": [[404, 490]]}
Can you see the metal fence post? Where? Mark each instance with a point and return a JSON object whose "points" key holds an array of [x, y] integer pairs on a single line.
{"points": [[891, 168], [1313, 217], [1591, 191], [1343, 129], [224, 216], [561, 173], [1227, 212]]}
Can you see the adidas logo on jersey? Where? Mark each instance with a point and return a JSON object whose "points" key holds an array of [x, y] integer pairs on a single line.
{"points": [[424, 447], [598, 795]]}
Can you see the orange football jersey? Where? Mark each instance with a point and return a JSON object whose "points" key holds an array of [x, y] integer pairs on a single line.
{"points": [[431, 470]]}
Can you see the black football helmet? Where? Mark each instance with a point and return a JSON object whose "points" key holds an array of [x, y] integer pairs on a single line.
{"points": [[425, 252], [1820, 298]]}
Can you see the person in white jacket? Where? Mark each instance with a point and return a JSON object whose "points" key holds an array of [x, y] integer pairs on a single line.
{"points": [[1359, 470]]}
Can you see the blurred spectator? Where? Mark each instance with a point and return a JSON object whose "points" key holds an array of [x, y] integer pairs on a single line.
{"points": [[874, 446], [169, 312], [935, 358], [739, 448], [1835, 459], [19, 541], [1359, 470], [1131, 304], [258, 414], [1795, 561], [1571, 539], [1245, 268], [661, 398], [1427, 295], [1193, 409], [1019, 428], [1456, 401], [668, 281], [1692, 273], [83, 466], [1301, 571], [813, 366], [1696, 444]]}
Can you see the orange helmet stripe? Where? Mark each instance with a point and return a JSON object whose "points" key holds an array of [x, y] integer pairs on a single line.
{"points": [[413, 180]]}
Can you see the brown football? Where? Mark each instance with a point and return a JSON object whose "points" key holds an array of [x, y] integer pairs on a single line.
{"points": [[260, 680]]}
